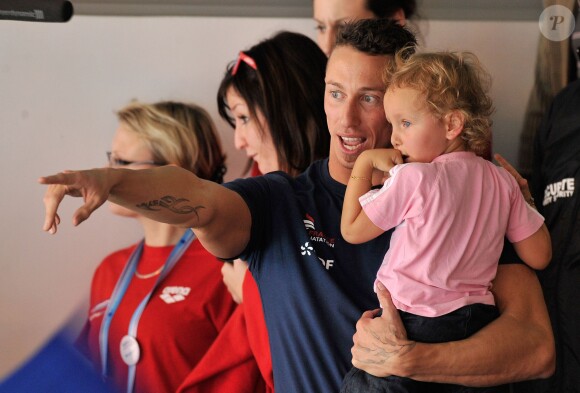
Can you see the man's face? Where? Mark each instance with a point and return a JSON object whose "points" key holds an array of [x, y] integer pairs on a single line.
{"points": [[330, 14], [353, 101]]}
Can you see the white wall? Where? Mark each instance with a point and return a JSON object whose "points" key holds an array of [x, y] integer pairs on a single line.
{"points": [[59, 85]]}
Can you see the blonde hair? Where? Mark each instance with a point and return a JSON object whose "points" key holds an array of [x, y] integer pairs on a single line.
{"points": [[178, 133], [450, 81]]}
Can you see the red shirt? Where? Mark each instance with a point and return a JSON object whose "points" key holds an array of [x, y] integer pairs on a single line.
{"points": [[181, 320], [257, 330], [239, 360]]}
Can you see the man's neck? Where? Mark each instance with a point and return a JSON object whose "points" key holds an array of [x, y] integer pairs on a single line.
{"points": [[338, 172]]}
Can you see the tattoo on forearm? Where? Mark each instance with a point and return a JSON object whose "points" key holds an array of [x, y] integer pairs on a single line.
{"points": [[171, 203]]}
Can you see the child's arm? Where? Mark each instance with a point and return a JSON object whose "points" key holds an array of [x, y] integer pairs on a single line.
{"points": [[536, 250], [355, 225]]}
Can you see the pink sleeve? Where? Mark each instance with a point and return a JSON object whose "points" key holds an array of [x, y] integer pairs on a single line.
{"points": [[402, 196], [524, 220]]}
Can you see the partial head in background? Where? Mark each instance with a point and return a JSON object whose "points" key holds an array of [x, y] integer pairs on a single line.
{"points": [[272, 96], [167, 133], [448, 89], [376, 37], [330, 15], [355, 89]]}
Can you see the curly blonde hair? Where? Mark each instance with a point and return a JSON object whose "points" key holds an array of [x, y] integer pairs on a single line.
{"points": [[450, 81]]}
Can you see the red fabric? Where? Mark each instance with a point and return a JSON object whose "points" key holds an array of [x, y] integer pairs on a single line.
{"points": [[255, 171], [257, 330], [174, 333], [228, 365], [256, 322], [239, 359]]}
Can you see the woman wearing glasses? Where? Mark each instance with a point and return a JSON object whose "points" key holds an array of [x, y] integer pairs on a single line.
{"points": [[157, 306], [273, 97]]}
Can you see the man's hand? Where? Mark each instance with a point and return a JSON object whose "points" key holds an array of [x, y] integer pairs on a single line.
{"points": [[523, 183], [93, 186], [233, 277], [380, 341]]}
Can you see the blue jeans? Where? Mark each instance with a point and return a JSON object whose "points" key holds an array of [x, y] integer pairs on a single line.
{"points": [[454, 326]]}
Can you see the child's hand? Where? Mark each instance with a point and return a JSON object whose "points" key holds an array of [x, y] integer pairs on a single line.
{"points": [[384, 159]]}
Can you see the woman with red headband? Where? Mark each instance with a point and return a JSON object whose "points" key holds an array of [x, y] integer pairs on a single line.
{"points": [[273, 97]]}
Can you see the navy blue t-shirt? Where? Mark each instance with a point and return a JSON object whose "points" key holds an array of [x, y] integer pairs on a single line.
{"points": [[313, 284]]}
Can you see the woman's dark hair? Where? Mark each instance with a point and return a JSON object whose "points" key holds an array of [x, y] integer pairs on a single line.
{"points": [[287, 88], [387, 8]]}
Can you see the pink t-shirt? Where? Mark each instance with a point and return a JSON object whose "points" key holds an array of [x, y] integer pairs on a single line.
{"points": [[451, 216]]}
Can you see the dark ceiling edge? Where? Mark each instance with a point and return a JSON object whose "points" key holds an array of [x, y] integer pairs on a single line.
{"points": [[427, 12], [191, 10], [530, 13]]}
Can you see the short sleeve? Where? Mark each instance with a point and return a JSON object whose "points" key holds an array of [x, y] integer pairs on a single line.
{"points": [[403, 195]]}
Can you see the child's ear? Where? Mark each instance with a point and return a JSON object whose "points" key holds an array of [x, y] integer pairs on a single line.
{"points": [[455, 121]]}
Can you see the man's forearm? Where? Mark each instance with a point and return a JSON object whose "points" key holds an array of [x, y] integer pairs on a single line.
{"points": [[219, 217], [163, 194], [519, 345], [482, 360]]}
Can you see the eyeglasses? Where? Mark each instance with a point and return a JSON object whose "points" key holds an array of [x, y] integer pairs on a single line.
{"points": [[116, 162], [246, 59]]}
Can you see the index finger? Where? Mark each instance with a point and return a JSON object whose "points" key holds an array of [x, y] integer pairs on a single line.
{"points": [[64, 178], [507, 166], [398, 158], [520, 180], [371, 314]]}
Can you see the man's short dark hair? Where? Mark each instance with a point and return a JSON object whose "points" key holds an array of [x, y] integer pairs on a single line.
{"points": [[376, 36]]}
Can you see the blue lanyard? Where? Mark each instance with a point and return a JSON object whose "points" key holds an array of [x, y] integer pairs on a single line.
{"points": [[119, 291]]}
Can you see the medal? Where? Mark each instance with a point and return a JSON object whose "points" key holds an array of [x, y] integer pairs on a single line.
{"points": [[130, 351]]}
